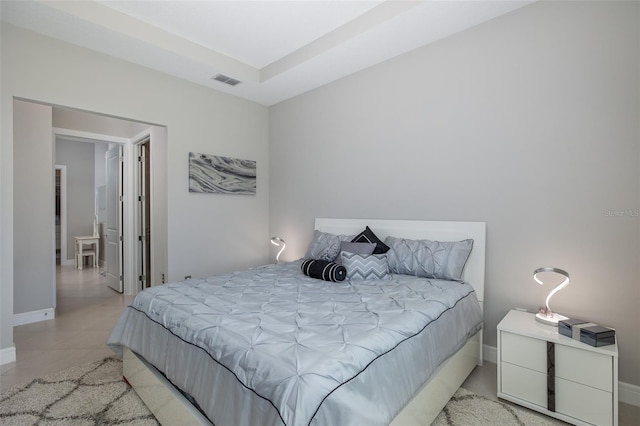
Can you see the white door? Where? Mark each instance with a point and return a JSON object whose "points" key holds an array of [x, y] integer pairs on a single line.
{"points": [[113, 247]]}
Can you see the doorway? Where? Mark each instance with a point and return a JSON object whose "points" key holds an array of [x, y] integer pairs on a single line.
{"points": [[100, 168], [80, 172], [36, 126], [131, 263]]}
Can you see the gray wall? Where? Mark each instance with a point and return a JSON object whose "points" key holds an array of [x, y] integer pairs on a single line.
{"points": [[528, 122], [197, 119], [79, 157], [33, 209]]}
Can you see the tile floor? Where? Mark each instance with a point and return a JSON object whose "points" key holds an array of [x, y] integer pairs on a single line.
{"points": [[85, 314]]}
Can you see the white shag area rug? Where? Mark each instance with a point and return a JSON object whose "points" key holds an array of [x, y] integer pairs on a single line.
{"points": [[89, 394], [95, 394], [468, 409]]}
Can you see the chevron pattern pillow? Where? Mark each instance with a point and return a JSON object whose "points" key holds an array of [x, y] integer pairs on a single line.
{"points": [[365, 266]]}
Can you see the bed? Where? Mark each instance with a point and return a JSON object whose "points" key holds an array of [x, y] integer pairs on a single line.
{"points": [[271, 345]]}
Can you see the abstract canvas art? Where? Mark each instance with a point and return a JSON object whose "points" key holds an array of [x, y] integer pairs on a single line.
{"points": [[222, 175]]}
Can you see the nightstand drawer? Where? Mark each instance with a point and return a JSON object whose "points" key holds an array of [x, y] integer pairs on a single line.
{"points": [[585, 403], [524, 351], [523, 383], [580, 366]]}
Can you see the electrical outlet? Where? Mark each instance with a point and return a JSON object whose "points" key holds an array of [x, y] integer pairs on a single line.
{"points": [[187, 277]]}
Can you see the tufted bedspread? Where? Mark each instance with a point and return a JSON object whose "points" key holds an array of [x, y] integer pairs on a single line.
{"points": [[271, 346]]}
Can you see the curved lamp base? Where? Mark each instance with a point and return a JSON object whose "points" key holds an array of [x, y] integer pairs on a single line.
{"points": [[550, 320]]}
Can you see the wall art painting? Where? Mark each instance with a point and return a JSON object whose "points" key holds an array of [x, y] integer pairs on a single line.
{"points": [[221, 175]]}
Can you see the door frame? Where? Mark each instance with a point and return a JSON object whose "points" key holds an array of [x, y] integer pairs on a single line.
{"points": [[63, 214], [144, 247], [157, 137]]}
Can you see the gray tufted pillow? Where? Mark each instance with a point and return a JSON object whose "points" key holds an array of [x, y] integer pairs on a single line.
{"points": [[325, 246], [426, 258]]}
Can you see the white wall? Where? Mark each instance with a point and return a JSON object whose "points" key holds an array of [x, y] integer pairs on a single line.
{"points": [[67, 118], [34, 256], [207, 233], [528, 122]]}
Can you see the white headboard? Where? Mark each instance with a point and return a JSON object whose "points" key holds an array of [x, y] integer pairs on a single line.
{"points": [[418, 230]]}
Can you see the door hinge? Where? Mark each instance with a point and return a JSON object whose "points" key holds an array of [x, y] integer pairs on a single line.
{"points": [[142, 278], [141, 198]]}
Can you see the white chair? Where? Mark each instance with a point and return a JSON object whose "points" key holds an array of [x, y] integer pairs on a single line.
{"points": [[85, 253], [81, 253]]}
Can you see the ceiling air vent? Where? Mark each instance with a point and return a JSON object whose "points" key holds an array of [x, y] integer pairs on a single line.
{"points": [[226, 79]]}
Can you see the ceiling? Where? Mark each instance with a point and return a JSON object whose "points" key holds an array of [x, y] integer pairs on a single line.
{"points": [[276, 49]]}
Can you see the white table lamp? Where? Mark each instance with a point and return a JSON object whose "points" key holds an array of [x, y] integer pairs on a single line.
{"points": [[277, 241], [546, 316]]}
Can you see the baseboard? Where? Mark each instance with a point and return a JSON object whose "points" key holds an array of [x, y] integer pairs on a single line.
{"points": [[33, 316], [627, 393], [7, 355], [490, 353], [68, 262]]}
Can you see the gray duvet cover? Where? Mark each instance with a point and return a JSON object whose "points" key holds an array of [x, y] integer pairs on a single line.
{"points": [[271, 346]]}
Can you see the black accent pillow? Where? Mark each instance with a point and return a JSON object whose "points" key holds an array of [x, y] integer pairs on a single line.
{"points": [[324, 270], [367, 236]]}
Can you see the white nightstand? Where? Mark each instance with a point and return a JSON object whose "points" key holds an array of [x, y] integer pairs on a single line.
{"points": [[556, 375]]}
